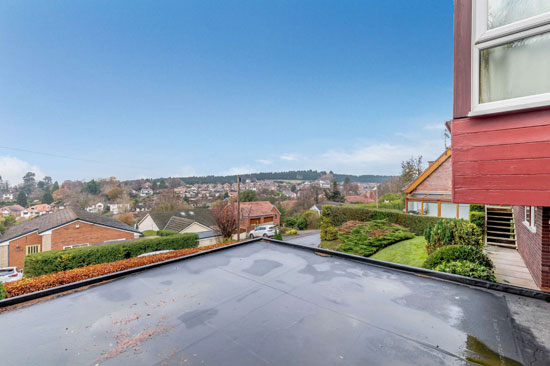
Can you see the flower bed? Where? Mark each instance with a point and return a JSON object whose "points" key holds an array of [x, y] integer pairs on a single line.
{"points": [[28, 285]]}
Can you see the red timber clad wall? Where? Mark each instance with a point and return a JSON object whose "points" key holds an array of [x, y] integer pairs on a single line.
{"points": [[501, 159]]}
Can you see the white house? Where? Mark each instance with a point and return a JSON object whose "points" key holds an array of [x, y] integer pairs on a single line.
{"points": [[117, 208], [97, 208], [7, 196]]}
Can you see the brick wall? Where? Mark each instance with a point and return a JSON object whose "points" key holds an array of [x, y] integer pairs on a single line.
{"points": [[85, 233], [439, 181], [18, 250], [534, 247]]}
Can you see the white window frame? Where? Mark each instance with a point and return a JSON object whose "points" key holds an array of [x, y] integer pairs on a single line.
{"points": [[531, 223], [76, 246], [32, 246], [482, 38]]}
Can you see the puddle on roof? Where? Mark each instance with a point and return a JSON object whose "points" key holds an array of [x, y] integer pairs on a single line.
{"points": [[261, 267], [194, 318], [478, 353]]}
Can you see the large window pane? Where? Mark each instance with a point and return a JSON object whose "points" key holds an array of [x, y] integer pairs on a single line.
{"points": [[448, 210], [502, 12], [516, 69], [430, 209], [414, 207], [464, 212]]}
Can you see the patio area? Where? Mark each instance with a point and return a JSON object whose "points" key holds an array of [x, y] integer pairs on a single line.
{"points": [[510, 267]]}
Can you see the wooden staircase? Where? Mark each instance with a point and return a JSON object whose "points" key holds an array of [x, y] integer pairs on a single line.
{"points": [[499, 226]]}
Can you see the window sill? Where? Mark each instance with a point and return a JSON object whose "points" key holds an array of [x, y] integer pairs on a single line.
{"points": [[511, 105], [532, 229]]}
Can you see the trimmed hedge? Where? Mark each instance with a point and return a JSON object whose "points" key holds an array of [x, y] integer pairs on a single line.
{"points": [[166, 232], [477, 208], [478, 219], [62, 260], [453, 232], [337, 215], [454, 253], [149, 233], [468, 269]]}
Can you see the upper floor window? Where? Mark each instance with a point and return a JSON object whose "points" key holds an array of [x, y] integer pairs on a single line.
{"points": [[510, 55]]}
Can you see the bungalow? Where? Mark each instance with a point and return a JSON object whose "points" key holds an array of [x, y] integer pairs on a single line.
{"points": [[184, 221], [36, 210], [431, 193], [256, 213], [59, 230], [14, 210]]}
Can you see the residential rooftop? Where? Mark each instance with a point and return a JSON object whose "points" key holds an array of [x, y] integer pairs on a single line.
{"points": [[279, 304]]}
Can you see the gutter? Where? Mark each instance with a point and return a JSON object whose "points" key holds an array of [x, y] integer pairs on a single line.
{"points": [[422, 272]]}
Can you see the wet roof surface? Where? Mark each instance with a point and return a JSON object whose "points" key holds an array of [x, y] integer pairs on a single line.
{"points": [[266, 303]]}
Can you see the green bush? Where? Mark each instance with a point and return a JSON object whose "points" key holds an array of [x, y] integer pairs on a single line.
{"points": [[3, 292], [62, 260], [367, 238], [312, 219], [478, 219], [452, 232], [455, 253], [278, 235], [149, 233], [337, 215], [290, 222], [301, 223], [166, 232], [292, 232], [468, 269], [477, 208]]}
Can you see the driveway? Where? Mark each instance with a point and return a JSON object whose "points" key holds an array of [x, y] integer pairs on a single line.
{"points": [[311, 238]]}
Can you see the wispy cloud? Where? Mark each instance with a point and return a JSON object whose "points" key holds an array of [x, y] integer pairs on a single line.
{"points": [[246, 169], [13, 169], [435, 126], [289, 157], [264, 161]]}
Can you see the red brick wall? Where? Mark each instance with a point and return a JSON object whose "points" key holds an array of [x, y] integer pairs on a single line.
{"points": [[85, 233], [535, 247], [18, 250], [439, 181]]}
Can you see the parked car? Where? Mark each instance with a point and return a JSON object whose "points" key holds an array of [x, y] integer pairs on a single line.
{"points": [[266, 231], [10, 274], [155, 252]]}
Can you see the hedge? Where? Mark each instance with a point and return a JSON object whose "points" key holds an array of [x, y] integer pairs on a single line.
{"points": [[62, 260], [477, 208], [478, 219], [166, 232], [3, 292], [337, 215], [454, 253], [468, 269], [28, 285], [452, 232], [149, 233]]}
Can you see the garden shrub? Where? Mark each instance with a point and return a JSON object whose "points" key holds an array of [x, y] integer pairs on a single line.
{"points": [[452, 232], [478, 219], [468, 269], [366, 238], [312, 219], [301, 223], [328, 232], [62, 260], [292, 232], [149, 233], [454, 253], [290, 222], [28, 285], [337, 215], [166, 232], [3, 292], [278, 235], [477, 208]]}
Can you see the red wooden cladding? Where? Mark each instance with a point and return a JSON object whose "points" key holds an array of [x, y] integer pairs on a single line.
{"points": [[499, 182], [502, 197], [503, 121], [503, 152], [503, 167], [499, 137], [462, 43]]}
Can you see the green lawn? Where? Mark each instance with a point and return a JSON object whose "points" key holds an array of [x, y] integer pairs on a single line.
{"points": [[411, 252]]}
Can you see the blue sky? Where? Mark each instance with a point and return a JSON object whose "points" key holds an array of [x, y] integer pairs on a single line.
{"points": [[177, 88]]}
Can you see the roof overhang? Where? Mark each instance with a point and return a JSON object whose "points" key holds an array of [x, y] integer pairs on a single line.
{"points": [[426, 173]]}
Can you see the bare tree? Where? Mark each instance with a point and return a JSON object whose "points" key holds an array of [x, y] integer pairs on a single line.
{"points": [[225, 217]]}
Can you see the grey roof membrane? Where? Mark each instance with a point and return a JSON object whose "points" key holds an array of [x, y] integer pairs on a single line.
{"points": [[267, 304]]}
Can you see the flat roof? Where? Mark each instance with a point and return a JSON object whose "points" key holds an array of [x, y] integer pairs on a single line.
{"points": [[268, 303]]}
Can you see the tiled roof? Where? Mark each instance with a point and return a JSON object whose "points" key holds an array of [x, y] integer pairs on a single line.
{"points": [[61, 217], [178, 223], [201, 215], [256, 208]]}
